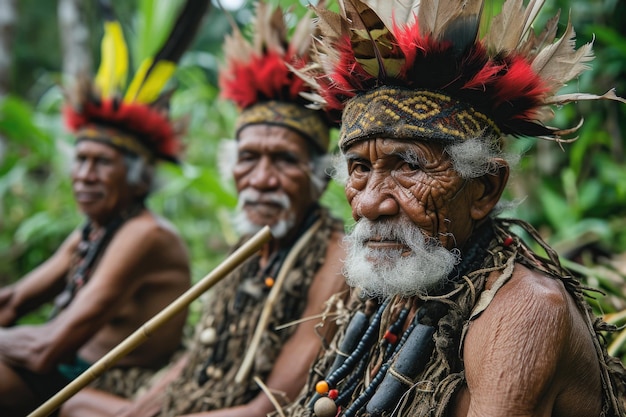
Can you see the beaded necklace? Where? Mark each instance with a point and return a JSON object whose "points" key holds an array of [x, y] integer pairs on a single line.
{"points": [[91, 246], [402, 355]]}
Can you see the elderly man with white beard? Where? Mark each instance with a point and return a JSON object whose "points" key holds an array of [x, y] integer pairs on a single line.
{"points": [[279, 169], [458, 317]]}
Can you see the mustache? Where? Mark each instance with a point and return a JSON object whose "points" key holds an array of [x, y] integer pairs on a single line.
{"points": [[252, 196], [402, 231]]}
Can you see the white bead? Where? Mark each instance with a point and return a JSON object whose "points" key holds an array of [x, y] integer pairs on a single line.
{"points": [[325, 407], [208, 336]]}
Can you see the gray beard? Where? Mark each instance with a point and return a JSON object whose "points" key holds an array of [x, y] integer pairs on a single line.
{"points": [[385, 273], [244, 226]]}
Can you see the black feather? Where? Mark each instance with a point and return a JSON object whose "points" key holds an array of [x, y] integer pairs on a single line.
{"points": [[183, 31]]}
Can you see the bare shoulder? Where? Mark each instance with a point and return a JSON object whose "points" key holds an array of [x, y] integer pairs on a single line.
{"points": [[153, 236], [532, 305], [531, 347], [145, 250], [148, 224], [330, 271]]}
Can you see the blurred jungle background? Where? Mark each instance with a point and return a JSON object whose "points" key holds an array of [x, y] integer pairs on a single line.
{"points": [[575, 196]]}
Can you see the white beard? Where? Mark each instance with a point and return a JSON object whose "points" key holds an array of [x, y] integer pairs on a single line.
{"points": [[387, 272], [244, 226]]}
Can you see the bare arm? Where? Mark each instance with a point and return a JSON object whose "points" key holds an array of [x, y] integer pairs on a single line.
{"points": [[514, 350], [39, 348], [292, 365], [39, 286]]}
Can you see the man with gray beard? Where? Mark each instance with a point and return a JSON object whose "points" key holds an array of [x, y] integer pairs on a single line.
{"points": [[258, 332], [457, 316]]}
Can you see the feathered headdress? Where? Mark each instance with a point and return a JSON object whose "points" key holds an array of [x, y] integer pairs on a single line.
{"points": [[139, 120], [442, 69], [257, 76]]}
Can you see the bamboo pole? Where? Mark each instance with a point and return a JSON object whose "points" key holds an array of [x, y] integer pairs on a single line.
{"points": [[145, 331], [248, 359]]}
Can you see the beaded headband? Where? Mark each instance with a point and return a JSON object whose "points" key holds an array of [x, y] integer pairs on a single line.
{"points": [[392, 112], [115, 138], [306, 122]]}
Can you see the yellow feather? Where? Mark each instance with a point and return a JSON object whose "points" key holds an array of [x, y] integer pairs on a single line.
{"points": [[145, 88], [113, 69]]}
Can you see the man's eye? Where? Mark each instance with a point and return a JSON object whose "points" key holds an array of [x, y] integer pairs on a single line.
{"points": [[359, 168], [411, 166], [287, 159], [246, 158]]}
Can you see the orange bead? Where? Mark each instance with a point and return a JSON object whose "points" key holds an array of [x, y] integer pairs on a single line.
{"points": [[269, 282], [322, 387]]}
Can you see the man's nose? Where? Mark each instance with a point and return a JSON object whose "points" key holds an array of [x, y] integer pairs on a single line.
{"points": [[86, 171], [377, 199], [264, 175]]}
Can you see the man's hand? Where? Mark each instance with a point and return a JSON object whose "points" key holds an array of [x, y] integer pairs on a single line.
{"points": [[19, 345]]}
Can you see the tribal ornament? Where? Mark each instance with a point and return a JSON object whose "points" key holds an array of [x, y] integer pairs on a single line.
{"points": [[443, 63], [138, 120], [257, 76]]}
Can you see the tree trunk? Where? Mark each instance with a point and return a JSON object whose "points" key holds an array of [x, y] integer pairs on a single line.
{"points": [[74, 41], [8, 20]]}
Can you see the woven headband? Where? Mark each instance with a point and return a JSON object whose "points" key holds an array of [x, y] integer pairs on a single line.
{"points": [[392, 112], [115, 138], [306, 122]]}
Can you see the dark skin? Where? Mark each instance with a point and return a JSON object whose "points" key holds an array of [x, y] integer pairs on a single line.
{"points": [[529, 354], [270, 159], [142, 270]]}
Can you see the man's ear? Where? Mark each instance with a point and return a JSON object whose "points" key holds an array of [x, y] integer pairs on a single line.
{"points": [[141, 189], [490, 191]]}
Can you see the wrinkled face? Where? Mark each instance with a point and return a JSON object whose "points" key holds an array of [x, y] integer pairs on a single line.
{"points": [[411, 209], [411, 180], [273, 179], [99, 182]]}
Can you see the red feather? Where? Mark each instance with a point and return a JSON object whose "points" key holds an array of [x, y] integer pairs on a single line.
{"points": [[262, 78], [503, 87], [148, 124]]}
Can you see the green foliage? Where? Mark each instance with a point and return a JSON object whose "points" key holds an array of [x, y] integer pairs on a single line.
{"points": [[33, 219]]}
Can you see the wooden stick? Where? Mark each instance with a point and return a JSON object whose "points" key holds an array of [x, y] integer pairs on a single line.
{"points": [[145, 331], [266, 313]]}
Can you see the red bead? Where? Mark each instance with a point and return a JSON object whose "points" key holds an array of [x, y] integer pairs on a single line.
{"points": [[508, 241], [390, 337], [333, 394]]}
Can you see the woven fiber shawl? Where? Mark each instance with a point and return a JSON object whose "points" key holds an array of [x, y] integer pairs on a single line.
{"points": [[230, 318]]}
